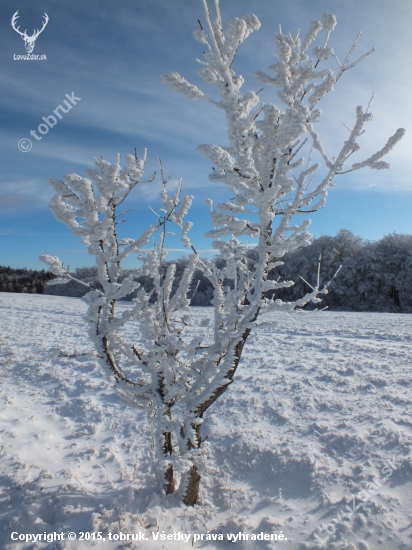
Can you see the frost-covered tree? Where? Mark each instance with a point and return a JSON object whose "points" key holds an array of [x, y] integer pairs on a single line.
{"points": [[178, 379], [384, 274]]}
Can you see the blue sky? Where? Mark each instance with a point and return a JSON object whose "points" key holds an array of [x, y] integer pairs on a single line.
{"points": [[112, 54]]}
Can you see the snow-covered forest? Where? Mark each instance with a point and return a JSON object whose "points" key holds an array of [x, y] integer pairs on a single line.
{"points": [[375, 276], [31, 281]]}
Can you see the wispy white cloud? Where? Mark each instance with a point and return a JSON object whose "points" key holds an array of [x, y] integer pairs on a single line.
{"points": [[16, 194]]}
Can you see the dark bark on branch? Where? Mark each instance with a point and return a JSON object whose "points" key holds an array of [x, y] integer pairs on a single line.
{"points": [[170, 485], [230, 374], [192, 491]]}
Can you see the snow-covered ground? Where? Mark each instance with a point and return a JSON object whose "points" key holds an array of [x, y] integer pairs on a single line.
{"points": [[321, 408]]}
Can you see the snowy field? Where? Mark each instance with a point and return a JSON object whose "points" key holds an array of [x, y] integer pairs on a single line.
{"points": [[313, 438]]}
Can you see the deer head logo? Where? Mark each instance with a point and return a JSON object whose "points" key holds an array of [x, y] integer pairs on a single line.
{"points": [[29, 41]]}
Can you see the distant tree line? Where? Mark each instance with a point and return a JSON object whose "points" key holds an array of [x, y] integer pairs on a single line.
{"points": [[23, 280], [375, 275]]}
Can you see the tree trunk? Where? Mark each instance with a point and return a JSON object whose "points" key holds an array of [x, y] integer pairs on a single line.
{"points": [[170, 485], [192, 490]]}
